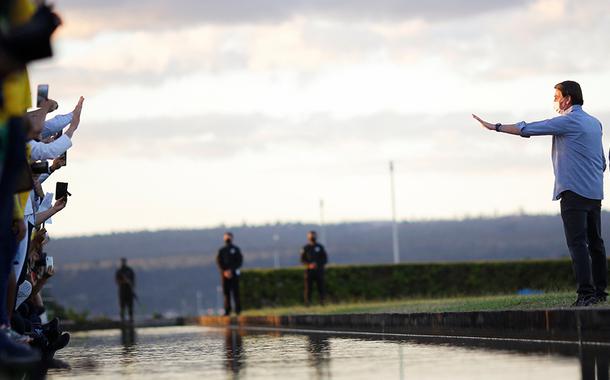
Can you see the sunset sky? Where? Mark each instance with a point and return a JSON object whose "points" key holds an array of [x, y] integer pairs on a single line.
{"points": [[200, 113]]}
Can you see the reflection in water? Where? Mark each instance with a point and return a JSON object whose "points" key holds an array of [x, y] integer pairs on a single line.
{"points": [[128, 336], [195, 352], [594, 361], [318, 347], [128, 340], [234, 351]]}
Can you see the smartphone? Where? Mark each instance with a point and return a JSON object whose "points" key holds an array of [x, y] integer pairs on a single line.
{"points": [[49, 263], [61, 190], [43, 94], [41, 167]]}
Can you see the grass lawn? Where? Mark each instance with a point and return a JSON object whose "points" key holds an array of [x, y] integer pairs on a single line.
{"points": [[487, 303]]}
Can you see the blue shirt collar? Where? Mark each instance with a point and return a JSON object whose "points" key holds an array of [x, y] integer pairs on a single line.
{"points": [[574, 107]]}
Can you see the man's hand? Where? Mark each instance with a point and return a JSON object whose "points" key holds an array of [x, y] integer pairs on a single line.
{"points": [[49, 105], [58, 163], [485, 124], [228, 274], [49, 272], [60, 204], [311, 266], [77, 111], [75, 117]]}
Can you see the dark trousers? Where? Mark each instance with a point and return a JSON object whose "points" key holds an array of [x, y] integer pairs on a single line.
{"points": [[582, 225], [126, 302], [15, 153], [311, 276], [230, 286]]}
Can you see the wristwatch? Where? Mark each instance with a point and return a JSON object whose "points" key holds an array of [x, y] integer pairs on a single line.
{"points": [[498, 125]]}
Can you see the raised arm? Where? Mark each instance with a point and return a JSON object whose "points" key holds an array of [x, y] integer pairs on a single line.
{"points": [[556, 126], [511, 129], [50, 151], [75, 117], [42, 216], [56, 124]]}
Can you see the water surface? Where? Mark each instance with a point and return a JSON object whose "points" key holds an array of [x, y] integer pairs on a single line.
{"points": [[205, 353]]}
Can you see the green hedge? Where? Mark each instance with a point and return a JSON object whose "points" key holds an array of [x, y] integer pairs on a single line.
{"points": [[284, 287]]}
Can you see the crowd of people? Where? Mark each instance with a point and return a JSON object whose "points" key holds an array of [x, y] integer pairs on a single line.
{"points": [[33, 146]]}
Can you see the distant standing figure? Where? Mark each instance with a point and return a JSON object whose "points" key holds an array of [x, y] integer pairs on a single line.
{"points": [[229, 261], [313, 256], [126, 281]]}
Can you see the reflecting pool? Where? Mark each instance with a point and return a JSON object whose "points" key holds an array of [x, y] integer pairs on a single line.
{"points": [[207, 353]]}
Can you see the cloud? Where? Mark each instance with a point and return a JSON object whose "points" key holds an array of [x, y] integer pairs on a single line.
{"points": [[115, 14], [516, 43], [441, 143]]}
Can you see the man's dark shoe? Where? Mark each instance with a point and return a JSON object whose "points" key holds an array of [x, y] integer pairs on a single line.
{"points": [[599, 299], [52, 330], [584, 301], [60, 342]]}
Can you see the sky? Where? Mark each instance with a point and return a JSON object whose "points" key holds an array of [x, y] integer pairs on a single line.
{"points": [[200, 113]]}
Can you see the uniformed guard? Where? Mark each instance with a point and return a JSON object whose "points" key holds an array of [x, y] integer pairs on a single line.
{"points": [[229, 261], [126, 280], [313, 256]]}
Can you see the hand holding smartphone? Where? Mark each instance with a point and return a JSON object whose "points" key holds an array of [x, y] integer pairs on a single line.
{"points": [[61, 190], [42, 95]]}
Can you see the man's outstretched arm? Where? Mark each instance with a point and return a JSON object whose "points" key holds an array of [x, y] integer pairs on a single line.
{"points": [[512, 129]]}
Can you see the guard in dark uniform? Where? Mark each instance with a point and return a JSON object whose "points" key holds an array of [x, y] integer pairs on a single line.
{"points": [[229, 261], [126, 281], [314, 257]]}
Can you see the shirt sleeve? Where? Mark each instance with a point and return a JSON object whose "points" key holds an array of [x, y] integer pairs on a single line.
{"points": [[240, 259], [50, 151], [56, 124], [554, 127]]}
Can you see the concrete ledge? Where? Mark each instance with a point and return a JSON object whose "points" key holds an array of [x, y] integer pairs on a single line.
{"points": [[575, 325]]}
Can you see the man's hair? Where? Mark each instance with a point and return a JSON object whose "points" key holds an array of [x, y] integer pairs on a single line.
{"points": [[571, 89], [313, 232], [229, 234]]}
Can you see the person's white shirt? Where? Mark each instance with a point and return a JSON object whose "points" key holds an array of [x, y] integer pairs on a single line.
{"points": [[50, 151], [56, 124]]}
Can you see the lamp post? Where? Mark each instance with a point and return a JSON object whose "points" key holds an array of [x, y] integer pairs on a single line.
{"points": [[395, 246], [322, 225], [276, 254]]}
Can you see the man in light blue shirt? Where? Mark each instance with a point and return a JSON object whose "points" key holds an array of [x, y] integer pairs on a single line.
{"points": [[579, 164]]}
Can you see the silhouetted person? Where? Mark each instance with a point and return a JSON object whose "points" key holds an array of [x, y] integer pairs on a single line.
{"points": [[126, 281], [313, 256], [229, 261]]}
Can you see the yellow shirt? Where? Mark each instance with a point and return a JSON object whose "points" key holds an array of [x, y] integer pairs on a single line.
{"points": [[16, 90], [16, 86]]}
